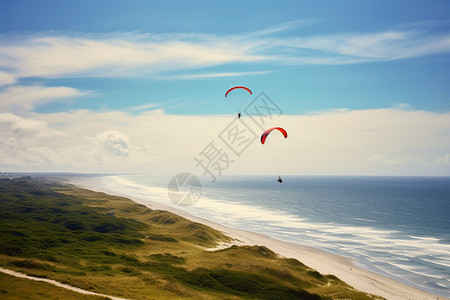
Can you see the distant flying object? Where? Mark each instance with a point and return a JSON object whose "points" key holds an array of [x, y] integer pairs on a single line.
{"points": [[268, 131], [239, 87], [264, 136]]}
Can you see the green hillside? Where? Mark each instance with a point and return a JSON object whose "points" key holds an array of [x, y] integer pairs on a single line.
{"points": [[57, 231]]}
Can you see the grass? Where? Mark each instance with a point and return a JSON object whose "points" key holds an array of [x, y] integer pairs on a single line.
{"points": [[64, 233], [13, 288]]}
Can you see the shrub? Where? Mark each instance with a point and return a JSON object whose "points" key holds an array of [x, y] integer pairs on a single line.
{"points": [[75, 225]]}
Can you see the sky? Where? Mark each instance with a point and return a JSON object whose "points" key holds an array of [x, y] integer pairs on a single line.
{"points": [[362, 87]]}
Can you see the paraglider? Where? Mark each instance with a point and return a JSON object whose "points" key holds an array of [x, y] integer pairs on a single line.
{"points": [[269, 130], [238, 87], [264, 136]]}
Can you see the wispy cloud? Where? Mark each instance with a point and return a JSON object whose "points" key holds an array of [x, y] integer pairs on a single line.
{"points": [[380, 159], [283, 27], [23, 98], [351, 48], [150, 106], [51, 55], [6, 78], [120, 56], [216, 75], [443, 160]]}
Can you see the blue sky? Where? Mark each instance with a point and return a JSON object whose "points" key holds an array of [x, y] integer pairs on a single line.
{"points": [[377, 75], [180, 57]]}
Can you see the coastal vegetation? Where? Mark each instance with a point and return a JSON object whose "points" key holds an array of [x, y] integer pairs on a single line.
{"points": [[12, 288], [54, 230]]}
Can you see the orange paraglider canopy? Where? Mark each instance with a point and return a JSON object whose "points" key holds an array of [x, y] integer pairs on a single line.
{"points": [[268, 131]]}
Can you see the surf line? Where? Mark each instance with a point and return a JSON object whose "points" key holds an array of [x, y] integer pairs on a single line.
{"points": [[59, 284]]}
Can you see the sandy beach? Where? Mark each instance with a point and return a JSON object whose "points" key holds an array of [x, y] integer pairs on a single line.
{"points": [[326, 263]]}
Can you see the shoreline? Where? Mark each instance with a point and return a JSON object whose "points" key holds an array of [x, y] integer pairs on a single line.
{"points": [[324, 262]]}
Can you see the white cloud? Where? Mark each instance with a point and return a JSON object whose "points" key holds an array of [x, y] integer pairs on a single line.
{"points": [[31, 145], [370, 46], [50, 55], [22, 142], [342, 142], [17, 98], [380, 159], [17, 127], [214, 75], [402, 106], [353, 48], [122, 55], [114, 142], [150, 106], [6, 78], [443, 160]]}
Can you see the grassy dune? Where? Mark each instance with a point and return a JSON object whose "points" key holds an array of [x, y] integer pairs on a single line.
{"points": [[63, 233], [12, 288]]}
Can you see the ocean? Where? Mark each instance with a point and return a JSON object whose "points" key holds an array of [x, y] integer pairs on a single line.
{"points": [[396, 226]]}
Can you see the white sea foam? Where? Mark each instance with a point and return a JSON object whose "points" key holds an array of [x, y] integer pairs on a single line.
{"points": [[439, 261], [424, 238]]}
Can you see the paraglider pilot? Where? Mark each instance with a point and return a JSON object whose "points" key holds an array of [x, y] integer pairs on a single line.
{"points": [[279, 179]]}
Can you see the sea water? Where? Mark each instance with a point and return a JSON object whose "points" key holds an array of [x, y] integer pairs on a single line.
{"points": [[396, 226]]}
